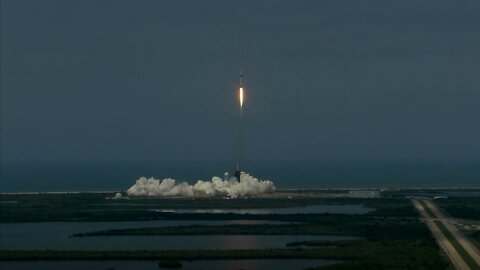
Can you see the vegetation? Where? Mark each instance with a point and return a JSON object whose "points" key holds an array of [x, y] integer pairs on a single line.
{"points": [[475, 238], [395, 255], [462, 207], [170, 264]]}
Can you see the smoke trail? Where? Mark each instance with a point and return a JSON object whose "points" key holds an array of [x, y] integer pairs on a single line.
{"points": [[247, 186]]}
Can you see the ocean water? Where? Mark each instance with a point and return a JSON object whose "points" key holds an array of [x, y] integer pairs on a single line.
{"points": [[310, 209], [89, 176]]}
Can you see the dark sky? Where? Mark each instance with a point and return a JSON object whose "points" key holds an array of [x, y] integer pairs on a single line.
{"points": [[155, 80]]}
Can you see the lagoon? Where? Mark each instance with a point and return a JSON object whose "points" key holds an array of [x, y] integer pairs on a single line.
{"points": [[253, 264], [55, 236]]}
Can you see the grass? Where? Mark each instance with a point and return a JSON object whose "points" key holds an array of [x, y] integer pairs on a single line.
{"points": [[466, 257]]}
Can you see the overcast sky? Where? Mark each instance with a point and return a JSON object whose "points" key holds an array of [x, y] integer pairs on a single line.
{"points": [[155, 80]]}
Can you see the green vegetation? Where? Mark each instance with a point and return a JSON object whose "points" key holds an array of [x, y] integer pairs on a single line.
{"points": [[464, 207], [169, 264], [466, 257], [475, 238], [395, 255], [476, 235]]}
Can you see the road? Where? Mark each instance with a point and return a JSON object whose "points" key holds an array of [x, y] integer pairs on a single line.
{"points": [[442, 240], [462, 240]]}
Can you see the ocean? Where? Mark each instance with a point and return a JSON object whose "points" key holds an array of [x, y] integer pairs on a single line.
{"points": [[113, 176]]}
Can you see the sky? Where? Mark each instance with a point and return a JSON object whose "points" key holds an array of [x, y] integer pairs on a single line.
{"points": [[88, 81]]}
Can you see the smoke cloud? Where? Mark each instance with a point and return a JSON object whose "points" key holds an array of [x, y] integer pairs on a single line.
{"points": [[168, 187]]}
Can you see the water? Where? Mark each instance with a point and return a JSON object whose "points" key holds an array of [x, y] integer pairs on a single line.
{"points": [[55, 235], [319, 174], [283, 264], [311, 209], [461, 194]]}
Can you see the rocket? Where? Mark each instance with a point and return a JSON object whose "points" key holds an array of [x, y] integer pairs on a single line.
{"points": [[240, 92], [240, 99]]}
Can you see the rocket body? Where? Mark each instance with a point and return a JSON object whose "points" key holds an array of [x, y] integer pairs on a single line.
{"points": [[241, 92]]}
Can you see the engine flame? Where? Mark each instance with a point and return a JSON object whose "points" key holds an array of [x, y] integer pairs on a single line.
{"points": [[240, 96]]}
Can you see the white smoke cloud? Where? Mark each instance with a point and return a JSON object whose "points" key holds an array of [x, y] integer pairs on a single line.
{"points": [[168, 187]]}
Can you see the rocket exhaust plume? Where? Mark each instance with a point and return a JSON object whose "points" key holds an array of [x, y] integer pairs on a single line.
{"points": [[246, 186], [240, 96]]}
